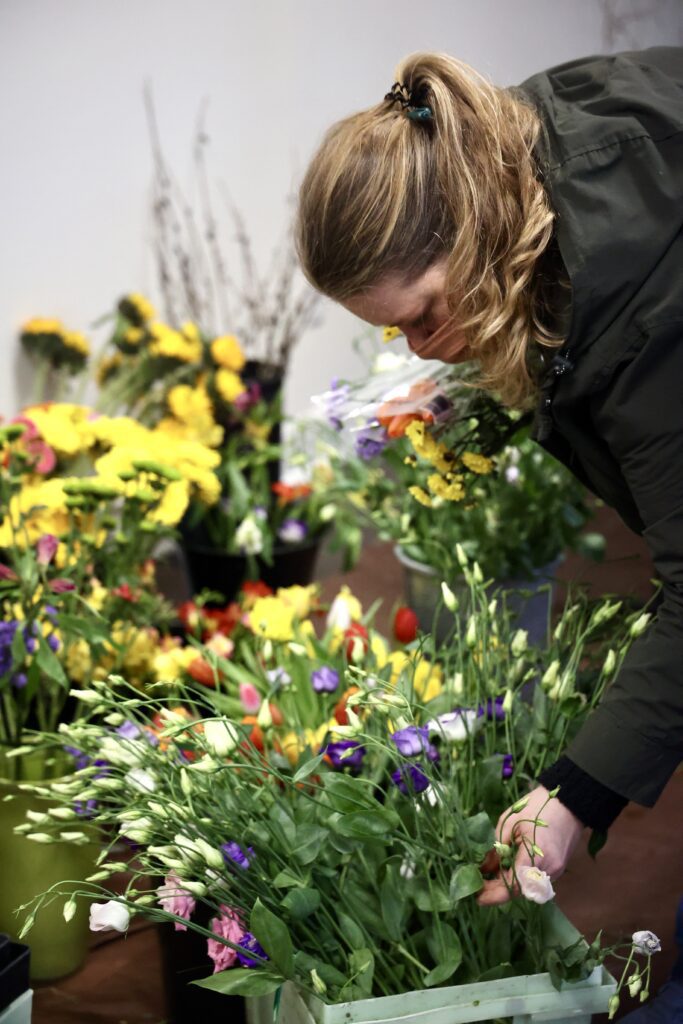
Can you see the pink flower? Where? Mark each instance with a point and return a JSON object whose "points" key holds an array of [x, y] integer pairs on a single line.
{"points": [[229, 926], [250, 697], [176, 900], [33, 444], [6, 573], [61, 586], [535, 884], [46, 548]]}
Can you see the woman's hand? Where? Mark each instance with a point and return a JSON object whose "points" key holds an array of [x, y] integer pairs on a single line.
{"points": [[557, 842]]}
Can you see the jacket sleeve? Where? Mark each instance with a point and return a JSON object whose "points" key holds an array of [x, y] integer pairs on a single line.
{"points": [[633, 741]]}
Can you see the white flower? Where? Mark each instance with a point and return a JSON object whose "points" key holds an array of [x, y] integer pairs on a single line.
{"points": [[278, 676], [455, 725], [646, 942], [535, 884], [138, 778], [512, 475], [449, 598], [340, 615], [221, 737], [388, 361], [110, 916], [248, 536], [125, 753], [407, 869]]}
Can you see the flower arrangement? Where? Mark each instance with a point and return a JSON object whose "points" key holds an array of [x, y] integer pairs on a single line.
{"points": [[438, 465], [342, 845], [59, 353]]}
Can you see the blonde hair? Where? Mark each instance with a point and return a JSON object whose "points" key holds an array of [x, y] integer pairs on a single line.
{"points": [[386, 193]]}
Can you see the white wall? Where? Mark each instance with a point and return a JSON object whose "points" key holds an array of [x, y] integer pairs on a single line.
{"points": [[75, 166]]}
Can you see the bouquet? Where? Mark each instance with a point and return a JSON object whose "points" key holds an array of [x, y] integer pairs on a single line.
{"points": [[59, 353], [431, 464], [343, 844]]}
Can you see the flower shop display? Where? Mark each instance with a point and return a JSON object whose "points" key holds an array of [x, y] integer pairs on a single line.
{"points": [[77, 598], [57, 354], [436, 466], [339, 836]]}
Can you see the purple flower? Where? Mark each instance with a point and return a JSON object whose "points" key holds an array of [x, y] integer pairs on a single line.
{"points": [[234, 852], [7, 631], [371, 442], [508, 766], [410, 779], [345, 754], [31, 644], [325, 679], [53, 642], [412, 741], [251, 944], [129, 730], [292, 531], [19, 680], [50, 611], [334, 401], [492, 709]]}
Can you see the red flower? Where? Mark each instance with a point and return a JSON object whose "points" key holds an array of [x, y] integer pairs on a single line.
{"points": [[126, 593], [202, 672], [340, 708], [256, 588], [356, 632], [7, 574], [221, 620], [189, 615], [405, 625], [287, 493]]}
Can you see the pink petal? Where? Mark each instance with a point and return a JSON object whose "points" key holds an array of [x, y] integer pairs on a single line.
{"points": [[46, 548]]}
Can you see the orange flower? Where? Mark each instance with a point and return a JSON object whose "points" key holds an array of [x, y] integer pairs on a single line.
{"points": [[287, 493]]}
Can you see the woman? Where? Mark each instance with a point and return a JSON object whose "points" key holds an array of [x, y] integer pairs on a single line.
{"points": [[537, 231]]}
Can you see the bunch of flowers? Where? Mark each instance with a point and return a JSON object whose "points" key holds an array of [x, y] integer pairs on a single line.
{"points": [[58, 352], [347, 858], [453, 468]]}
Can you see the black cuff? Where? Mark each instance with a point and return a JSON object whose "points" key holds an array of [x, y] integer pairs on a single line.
{"points": [[592, 803]]}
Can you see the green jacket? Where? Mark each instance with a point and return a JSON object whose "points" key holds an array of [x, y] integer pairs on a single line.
{"points": [[612, 404]]}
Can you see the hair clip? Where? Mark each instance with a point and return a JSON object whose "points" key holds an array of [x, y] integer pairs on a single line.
{"points": [[420, 114]]}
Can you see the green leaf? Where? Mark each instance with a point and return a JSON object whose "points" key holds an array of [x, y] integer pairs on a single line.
{"points": [[286, 880], [362, 964], [394, 909], [242, 981], [498, 972], [433, 900], [346, 794], [48, 662], [301, 902], [330, 975], [480, 831], [465, 881], [307, 768], [308, 842], [90, 628], [350, 930], [441, 973], [367, 824], [273, 935]]}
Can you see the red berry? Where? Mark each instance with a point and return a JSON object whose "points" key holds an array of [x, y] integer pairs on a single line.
{"points": [[405, 625]]}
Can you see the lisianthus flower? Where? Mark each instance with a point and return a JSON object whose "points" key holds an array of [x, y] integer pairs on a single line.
{"points": [[61, 586], [508, 766], [410, 779], [176, 900], [250, 698], [292, 531], [325, 679], [46, 548], [493, 709], [110, 916], [233, 853], [345, 754], [455, 725], [278, 676], [646, 942], [7, 574], [129, 730], [535, 884], [411, 741], [19, 680], [371, 442], [252, 945], [228, 926]]}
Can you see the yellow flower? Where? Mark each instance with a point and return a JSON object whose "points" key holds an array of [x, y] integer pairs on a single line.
{"points": [[257, 431], [427, 680], [76, 341], [65, 427], [299, 598], [229, 385], [272, 618], [42, 325], [173, 504], [390, 333], [449, 490], [429, 448], [78, 661], [170, 663], [194, 418], [167, 343], [107, 366], [477, 463], [39, 508], [379, 648], [420, 495], [226, 352], [97, 596], [143, 306]]}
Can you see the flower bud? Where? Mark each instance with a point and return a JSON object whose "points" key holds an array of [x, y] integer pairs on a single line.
{"points": [[87, 696], [604, 613], [461, 556], [520, 642], [477, 575], [297, 649], [449, 598], [520, 805], [357, 651], [318, 983], [197, 889], [327, 513], [640, 625], [612, 1007], [212, 856], [267, 649], [185, 782], [508, 701], [471, 635], [40, 837], [70, 908], [492, 607], [610, 663], [264, 717], [221, 737], [635, 983], [550, 676]]}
